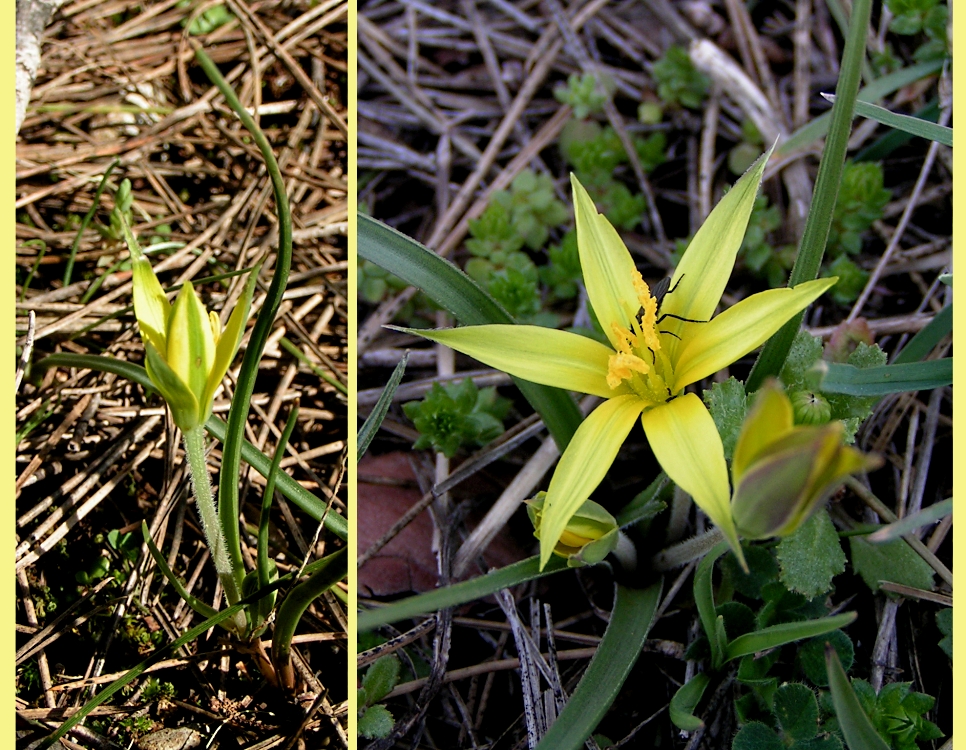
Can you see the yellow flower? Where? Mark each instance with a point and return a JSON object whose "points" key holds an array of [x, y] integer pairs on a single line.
{"points": [[783, 473], [657, 348], [186, 351]]}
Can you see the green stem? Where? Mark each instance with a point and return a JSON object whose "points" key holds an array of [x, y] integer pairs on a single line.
{"points": [[194, 447], [686, 551]]}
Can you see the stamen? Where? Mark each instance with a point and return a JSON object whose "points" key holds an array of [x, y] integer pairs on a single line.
{"points": [[621, 366]]}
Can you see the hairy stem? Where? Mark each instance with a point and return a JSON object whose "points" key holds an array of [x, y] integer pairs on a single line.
{"points": [[194, 446], [686, 551]]}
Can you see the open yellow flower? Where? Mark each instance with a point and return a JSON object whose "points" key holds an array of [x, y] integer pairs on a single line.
{"points": [[186, 351], [657, 348]]}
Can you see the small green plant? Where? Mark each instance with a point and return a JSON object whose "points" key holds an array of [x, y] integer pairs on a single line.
{"points": [[757, 253], [561, 274], [678, 81], [586, 94], [375, 720], [121, 214], [155, 689], [134, 727], [898, 713], [595, 152], [793, 723], [930, 17], [453, 415], [798, 377], [861, 200]]}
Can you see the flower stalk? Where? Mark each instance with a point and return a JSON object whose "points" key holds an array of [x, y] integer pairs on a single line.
{"points": [[194, 448]]}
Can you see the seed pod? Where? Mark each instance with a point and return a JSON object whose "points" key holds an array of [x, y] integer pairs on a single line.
{"points": [[810, 408]]}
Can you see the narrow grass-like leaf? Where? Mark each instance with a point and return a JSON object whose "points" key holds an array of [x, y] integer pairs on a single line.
{"points": [[890, 141], [879, 88], [910, 523], [459, 593], [371, 426], [808, 262], [913, 125], [855, 724], [453, 290], [300, 356], [704, 600], [646, 504], [787, 632], [293, 606], [216, 427], [630, 622], [923, 342], [834, 377], [228, 511], [69, 268], [196, 604], [33, 269], [263, 566], [685, 700]]}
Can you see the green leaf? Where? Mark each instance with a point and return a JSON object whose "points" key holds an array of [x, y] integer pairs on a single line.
{"points": [[912, 522], [757, 736], [381, 678], [811, 556], [375, 723], [893, 561], [629, 625], [831, 377], [762, 569], [704, 600], [778, 635], [906, 123], [687, 697], [645, 505], [459, 593], [811, 655], [812, 248], [816, 129], [923, 342], [728, 405], [797, 711], [234, 439], [754, 671], [453, 290], [944, 621], [855, 725]]}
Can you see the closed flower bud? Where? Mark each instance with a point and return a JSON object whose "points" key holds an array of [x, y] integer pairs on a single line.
{"points": [[590, 535], [782, 473], [810, 408], [186, 351]]}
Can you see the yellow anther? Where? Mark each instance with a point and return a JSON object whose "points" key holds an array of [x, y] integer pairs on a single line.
{"points": [[621, 366]]}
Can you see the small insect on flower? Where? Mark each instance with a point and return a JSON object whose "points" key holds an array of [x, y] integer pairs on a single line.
{"points": [[659, 292]]}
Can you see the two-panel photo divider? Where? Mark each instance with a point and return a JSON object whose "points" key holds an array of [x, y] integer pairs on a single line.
{"points": [[486, 374]]}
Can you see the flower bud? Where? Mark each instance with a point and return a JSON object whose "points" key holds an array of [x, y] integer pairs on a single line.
{"points": [[590, 535], [186, 351], [782, 473]]}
